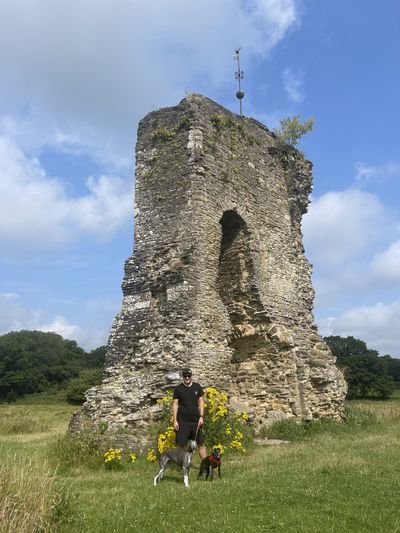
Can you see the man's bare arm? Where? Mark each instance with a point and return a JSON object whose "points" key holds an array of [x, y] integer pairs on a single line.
{"points": [[201, 410], [175, 406]]}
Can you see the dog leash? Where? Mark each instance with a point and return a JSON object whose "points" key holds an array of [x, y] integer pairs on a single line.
{"points": [[197, 430]]}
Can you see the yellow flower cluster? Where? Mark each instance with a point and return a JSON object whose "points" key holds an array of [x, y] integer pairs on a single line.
{"points": [[215, 403], [237, 443], [220, 446], [151, 455], [242, 416], [132, 457], [112, 454], [166, 440], [167, 399]]}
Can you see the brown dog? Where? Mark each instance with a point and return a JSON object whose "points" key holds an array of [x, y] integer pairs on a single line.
{"points": [[209, 463]]}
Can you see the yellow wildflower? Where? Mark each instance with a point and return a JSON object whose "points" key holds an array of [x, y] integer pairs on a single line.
{"points": [[220, 446], [165, 399], [237, 445], [151, 456], [166, 440], [112, 454]]}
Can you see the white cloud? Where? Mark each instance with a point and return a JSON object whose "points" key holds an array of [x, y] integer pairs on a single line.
{"points": [[377, 325], [341, 225], [14, 316], [37, 211], [293, 84], [385, 266], [342, 232], [106, 209], [84, 73], [368, 173], [87, 338], [273, 19], [61, 326]]}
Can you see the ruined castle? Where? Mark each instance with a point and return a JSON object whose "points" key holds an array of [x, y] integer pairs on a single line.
{"points": [[218, 280]]}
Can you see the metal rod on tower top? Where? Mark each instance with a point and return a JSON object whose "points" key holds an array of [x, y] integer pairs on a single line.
{"points": [[239, 76]]}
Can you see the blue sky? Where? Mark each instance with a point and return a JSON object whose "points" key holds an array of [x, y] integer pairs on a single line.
{"points": [[75, 79]]}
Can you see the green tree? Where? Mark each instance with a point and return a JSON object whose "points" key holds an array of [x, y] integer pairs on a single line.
{"points": [[77, 387], [292, 129], [96, 358], [393, 368], [33, 361], [365, 372]]}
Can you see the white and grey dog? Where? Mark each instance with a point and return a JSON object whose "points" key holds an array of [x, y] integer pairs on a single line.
{"points": [[181, 456]]}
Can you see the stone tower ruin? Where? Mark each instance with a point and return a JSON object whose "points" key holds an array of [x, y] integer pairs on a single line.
{"points": [[218, 280]]}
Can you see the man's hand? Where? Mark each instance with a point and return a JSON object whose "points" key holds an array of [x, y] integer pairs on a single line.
{"points": [[201, 421], [176, 425]]}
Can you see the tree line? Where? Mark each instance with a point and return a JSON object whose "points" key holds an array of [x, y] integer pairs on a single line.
{"points": [[367, 374], [35, 361]]}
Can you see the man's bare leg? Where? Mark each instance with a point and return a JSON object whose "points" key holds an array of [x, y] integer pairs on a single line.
{"points": [[202, 452]]}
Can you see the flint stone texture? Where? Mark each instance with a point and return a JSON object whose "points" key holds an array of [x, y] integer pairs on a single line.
{"points": [[218, 280]]}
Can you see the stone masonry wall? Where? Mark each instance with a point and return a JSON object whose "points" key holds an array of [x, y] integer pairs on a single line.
{"points": [[218, 280]]}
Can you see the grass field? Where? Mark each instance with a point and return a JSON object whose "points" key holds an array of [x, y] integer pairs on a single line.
{"points": [[342, 478]]}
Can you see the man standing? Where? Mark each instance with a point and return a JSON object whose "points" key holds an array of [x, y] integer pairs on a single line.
{"points": [[188, 412]]}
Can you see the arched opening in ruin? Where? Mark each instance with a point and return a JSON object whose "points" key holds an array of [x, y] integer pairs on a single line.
{"points": [[237, 288], [254, 379], [235, 267]]}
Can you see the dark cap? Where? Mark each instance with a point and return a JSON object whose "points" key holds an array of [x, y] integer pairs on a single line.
{"points": [[186, 372]]}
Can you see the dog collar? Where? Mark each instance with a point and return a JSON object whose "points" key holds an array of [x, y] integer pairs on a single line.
{"points": [[214, 460]]}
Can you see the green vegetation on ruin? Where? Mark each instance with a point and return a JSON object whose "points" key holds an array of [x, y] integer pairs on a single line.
{"points": [[288, 136], [235, 128], [163, 134], [168, 134]]}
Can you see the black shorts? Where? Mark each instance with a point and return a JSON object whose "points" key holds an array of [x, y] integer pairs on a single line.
{"points": [[187, 431]]}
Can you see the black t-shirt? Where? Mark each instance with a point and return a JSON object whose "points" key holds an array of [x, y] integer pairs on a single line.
{"points": [[188, 398]]}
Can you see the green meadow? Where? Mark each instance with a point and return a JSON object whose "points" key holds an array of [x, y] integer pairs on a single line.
{"points": [[329, 478]]}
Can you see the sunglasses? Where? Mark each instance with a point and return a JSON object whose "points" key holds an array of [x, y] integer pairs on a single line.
{"points": [[187, 376]]}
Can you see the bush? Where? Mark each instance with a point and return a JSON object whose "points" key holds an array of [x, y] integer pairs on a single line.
{"points": [[77, 387], [84, 448], [94, 447]]}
